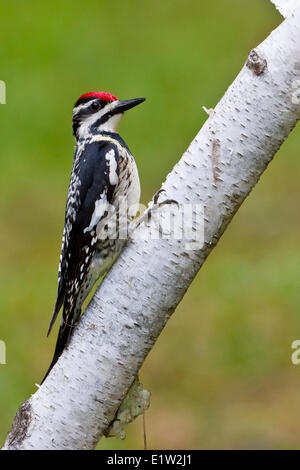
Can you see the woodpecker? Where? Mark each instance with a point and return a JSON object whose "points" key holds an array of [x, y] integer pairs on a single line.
{"points": [[103, 174]]}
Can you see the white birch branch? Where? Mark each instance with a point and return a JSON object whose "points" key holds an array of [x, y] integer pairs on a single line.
{"points": [[79, 399], [286, 7]]}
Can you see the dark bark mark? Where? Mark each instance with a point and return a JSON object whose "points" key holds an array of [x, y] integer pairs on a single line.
{"points": [[20, 425], [256, 63], [215, 156]]}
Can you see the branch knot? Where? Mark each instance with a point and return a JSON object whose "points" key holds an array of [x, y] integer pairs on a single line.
{"points": [[256, 63]]}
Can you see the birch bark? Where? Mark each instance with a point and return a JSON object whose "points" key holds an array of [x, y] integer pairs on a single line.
{"points": [[79, 399]]}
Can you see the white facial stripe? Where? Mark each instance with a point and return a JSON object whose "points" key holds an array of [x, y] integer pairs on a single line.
{"points": [[106, 108], [83, 106], [110, 125]]}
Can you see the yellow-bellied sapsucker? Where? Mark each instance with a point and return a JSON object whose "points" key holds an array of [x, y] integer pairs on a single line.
{"points": [[104, 177]]}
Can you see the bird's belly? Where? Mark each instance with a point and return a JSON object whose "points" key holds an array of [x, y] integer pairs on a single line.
{"points": [[120, 213], [104, 257], [105, 254], [113, 230], [129, 186]]}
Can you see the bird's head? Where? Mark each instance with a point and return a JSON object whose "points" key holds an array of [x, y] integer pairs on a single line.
{"points": [[99, 111]]}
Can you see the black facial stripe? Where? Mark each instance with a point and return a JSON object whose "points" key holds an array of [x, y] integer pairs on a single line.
{"points": [[100, 121], [79, 117], [83, 100], [85, 112], [75, 125], [89, 109], [89, 98]]}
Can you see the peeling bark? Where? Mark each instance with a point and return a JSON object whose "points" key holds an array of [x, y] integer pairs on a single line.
{"points": [[78, 402], [20, 425]]}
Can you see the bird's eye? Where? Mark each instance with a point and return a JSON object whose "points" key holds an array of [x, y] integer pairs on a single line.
{"points": [[96, 105]]}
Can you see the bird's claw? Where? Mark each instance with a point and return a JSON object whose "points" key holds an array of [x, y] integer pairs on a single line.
{"points": [[156, 205]]}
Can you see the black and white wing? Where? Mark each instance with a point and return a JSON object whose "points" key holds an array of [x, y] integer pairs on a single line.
{"points": [[92, 187]]}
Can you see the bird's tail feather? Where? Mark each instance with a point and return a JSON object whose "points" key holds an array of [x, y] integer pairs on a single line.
{"points": [[64, 335]]}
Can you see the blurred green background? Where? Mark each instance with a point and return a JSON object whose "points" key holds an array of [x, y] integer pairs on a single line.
{"points": [[220, 374]]}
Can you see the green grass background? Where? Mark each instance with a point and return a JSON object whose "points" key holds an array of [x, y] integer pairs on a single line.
{"points": [[220, 373]]}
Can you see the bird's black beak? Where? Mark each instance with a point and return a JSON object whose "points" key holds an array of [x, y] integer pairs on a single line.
{"points": [[123, 106]]}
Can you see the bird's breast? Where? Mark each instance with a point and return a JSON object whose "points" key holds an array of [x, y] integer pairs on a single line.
{"points": [[128, 187]]}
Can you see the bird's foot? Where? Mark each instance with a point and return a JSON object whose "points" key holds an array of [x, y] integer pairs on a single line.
{"points": [[146, 217]]}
